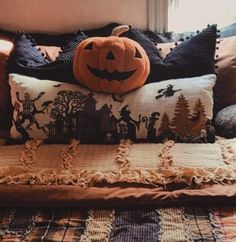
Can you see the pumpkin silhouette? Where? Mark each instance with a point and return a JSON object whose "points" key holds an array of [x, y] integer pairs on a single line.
{"points": [[111, 64]]}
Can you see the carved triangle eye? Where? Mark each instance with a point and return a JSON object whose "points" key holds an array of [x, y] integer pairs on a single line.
{"points": [[110, 56], [89, 46], [137, 54]]}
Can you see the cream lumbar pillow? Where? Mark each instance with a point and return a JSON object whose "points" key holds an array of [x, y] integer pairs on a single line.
{"points": [[178, 109]]}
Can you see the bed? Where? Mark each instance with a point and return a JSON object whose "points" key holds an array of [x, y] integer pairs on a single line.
{"points": [[139, 182]]}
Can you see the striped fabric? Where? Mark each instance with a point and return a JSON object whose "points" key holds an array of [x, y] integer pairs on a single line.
{"points": [[180, 224]]}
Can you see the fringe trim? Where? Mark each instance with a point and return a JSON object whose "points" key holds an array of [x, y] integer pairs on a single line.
{"points": [[216, 227], [28, 155], [68, 154], [186, 225], [161, 176], [87, 178], [165, 156], [160, 213], [5, 229], [122, 157], [227, 152], [98, 225]]}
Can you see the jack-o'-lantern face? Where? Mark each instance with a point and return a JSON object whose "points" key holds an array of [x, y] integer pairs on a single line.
{"points": [[111, 64]]}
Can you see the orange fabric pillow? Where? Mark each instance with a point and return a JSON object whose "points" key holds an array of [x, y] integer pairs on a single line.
{"points": [[51, 52], [225, 89]]}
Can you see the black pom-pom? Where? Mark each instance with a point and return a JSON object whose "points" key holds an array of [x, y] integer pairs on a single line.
{"points": [[197, 31], [216, 66], [208, 25], [176, 43], [187, 37], [217, 56], [217, 48], [218, 36], [218, 30], [159, 49], [171, 49]]}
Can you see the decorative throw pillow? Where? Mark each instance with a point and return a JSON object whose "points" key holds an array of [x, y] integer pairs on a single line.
{"points": [[28, 60], [148, 45], [5, 100], [193, 57], [179, 109], [113, 64], [225, 88], [225, 122], [104, 31]]}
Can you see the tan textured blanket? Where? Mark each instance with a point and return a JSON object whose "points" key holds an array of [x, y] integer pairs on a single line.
{"points": [[91, 165], [109, 175]]}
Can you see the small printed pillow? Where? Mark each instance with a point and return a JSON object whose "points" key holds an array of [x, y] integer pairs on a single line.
{"points": [[178, 109]]}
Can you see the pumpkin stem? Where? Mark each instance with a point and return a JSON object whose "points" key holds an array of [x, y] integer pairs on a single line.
{"points": [[119, 30]]}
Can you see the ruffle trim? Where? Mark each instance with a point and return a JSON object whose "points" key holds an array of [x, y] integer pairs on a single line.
{"points": [[167, 173], [86, 178], [28, 155]]}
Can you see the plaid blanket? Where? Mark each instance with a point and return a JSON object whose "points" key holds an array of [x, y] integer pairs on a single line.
{"points": [[162, 224]]}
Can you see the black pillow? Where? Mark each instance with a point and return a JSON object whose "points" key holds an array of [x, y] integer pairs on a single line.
{"points": [[61, 39], [193, 57], [101, 32], [27, 60], [25, 51], [148, 45]]}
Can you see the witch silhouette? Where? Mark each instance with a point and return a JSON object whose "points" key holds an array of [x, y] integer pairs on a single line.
{"points": [[131, 124]]}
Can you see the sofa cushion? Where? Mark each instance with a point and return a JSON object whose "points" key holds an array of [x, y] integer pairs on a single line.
{"points": [[179, 109]]}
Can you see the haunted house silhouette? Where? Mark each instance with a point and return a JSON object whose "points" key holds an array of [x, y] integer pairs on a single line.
{"points": [[75, 116]]}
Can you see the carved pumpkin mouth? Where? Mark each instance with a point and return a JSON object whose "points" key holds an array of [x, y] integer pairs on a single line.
{"points": [[115, 75]]}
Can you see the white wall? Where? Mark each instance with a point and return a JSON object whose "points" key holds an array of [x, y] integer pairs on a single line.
{"points": [[60, 16]]}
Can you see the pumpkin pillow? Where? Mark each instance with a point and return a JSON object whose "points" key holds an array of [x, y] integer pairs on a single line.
{"points": [[111, 64]]}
